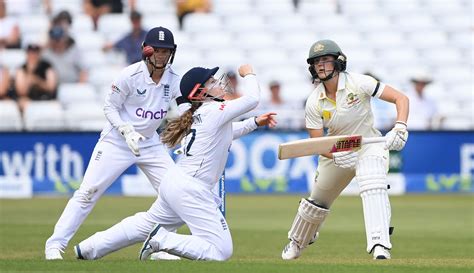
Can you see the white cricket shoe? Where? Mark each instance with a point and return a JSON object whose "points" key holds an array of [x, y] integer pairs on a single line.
{"points": [[291, 251], [380, 253], [53, 254], [164, 256], [149, 248], [78, 252]]}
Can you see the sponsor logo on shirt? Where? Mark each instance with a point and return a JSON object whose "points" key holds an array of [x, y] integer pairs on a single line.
{"points": [[352, 99], [115, 89], [222, 106], [142, 113], [141, 93]]}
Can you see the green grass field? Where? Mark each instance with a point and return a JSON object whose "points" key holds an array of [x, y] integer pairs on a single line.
{"points": [[432, 234]]}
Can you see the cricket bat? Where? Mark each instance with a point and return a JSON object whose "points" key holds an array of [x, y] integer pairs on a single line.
{"points": [[321, 145]]}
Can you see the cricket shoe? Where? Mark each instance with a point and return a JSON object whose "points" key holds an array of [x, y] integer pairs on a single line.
{"points": [[150, 247], [291, 251], [53, 254], [164, 256], [78, 252], [381, 253]]}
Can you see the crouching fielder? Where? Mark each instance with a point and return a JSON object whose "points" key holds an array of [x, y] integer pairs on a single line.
{"points": [[205, 131], [341, 103]]}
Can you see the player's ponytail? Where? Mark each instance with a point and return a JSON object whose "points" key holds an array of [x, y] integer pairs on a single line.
{"points": [[178, 128]]}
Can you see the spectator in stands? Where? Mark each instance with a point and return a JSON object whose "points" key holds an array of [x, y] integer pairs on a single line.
{"points": [[64, 20], [65, 57], [97, 8], [185, 7], [9, 30], [36, 79], [276, 102], [422, 109], [285, 109], [4, 82], [235, 85], [132, 42]]}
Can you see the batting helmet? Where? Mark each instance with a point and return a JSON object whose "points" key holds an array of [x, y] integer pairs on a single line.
{"points": [[158, 37], [192, 82], [327, 47]]}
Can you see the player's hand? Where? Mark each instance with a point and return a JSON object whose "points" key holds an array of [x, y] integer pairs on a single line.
{"points": [[346, 160], [397, 137], [245, 69], [132, 137], [266, 119]]}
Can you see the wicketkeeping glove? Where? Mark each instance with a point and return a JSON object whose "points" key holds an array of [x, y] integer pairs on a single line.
{"points": [[346, 160], [131, 137], [397, 137]]}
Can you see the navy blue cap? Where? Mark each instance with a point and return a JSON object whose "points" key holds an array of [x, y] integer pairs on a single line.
{"points": [[194, 76], [159, 37]]}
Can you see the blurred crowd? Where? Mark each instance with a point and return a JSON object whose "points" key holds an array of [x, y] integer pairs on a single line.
{"points": [[56, 60]]}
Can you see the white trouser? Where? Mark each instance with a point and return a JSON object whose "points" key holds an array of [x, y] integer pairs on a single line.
{"points": [[182, 200], [107, 163]]}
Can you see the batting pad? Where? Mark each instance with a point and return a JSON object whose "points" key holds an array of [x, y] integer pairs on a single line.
{"points": [[308, 220], [372, 180]]}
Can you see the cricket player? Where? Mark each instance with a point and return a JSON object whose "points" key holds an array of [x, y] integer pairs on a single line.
{"points": [[341, 103], [135, 107], [205, 132]]}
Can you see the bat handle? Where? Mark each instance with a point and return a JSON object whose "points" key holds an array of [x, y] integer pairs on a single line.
{"points": [[368, 140]]}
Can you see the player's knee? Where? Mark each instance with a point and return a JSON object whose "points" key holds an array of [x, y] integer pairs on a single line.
{"points": [[86, 195], [225, 251], [371, 173]]}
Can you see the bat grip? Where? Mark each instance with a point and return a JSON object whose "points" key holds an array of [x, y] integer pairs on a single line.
{"points": [[368, 140]]}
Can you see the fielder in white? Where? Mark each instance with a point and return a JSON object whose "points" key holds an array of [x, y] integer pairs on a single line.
{"points": [[341, 103], [135, 107], [205, 132]]}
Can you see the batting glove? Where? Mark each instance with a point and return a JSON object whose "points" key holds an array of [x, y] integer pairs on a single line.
{"points": [[131, 137], [346, 160], [397, 137]]}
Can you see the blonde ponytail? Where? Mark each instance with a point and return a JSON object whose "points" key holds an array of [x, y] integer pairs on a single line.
{"points": [[178, 128]]}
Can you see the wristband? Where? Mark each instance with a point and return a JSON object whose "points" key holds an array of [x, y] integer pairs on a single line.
{"points": [[255, 120], [400, 124]]}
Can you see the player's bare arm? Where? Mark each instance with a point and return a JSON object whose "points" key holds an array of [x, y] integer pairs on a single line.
{"points": [[392, 95]]}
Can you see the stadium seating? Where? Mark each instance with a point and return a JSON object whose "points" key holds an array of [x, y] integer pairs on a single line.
{"points": [[12, 58], [38, 23], [44, 116], [10, 116], [388, 38], [85, 116], [70, 94], [81, 23]]}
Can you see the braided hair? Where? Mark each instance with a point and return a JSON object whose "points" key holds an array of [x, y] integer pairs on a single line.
{"points": [[180, 127]]}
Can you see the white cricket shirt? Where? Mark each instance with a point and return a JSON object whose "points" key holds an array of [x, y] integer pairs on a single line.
{"points": [[136, 99], [351, 113], [206, 147]]}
